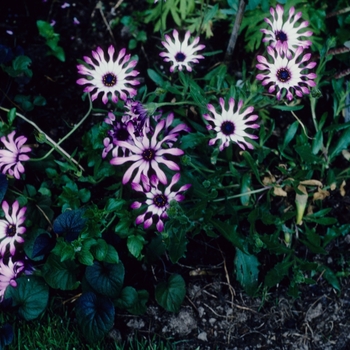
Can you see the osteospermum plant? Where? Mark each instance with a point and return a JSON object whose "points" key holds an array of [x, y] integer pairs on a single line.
{"points": [[180, 140]]}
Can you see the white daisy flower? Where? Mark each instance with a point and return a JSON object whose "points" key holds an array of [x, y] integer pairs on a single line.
{"points": [[285, 37], [285, 73], [230, 126], [109, 76], [181, 53]]}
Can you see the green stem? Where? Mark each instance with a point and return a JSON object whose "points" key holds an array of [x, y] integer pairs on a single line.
{"points": [[52, 143], [242, 194], [313, 112]]}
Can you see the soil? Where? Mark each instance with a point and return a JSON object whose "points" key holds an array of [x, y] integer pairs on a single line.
{"points": [[217, 313]]}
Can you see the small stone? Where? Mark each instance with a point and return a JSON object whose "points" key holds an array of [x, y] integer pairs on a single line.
{"points": [[201, 311], [212, 320], [202, 336]]}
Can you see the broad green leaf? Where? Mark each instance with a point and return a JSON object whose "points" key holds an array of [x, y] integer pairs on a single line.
{"points": [[30, 296], [247, 271], [100, 249], [69, 224], [155, 77], [343, 143], [289, 136], [135, 245], [60, 275], [127, 298], [95, 316], [171, 294], [106, 279]]}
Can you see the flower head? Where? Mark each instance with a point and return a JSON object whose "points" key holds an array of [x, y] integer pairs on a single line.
{"points": [[13, 155], [119, 132], [8, 273], [158, 201], [230, 126], [11, 231], [285, 73], [109, 76], [138, 115], [181, 53], [285, 37], [146, 154]]}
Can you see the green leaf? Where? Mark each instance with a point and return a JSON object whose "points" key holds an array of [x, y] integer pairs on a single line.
{"points": [[247, 272], [100, 249], [45, 29], [252, 163], [343, 143], [177, 243], [289, 136], [277, 273], [331, 278], [139, 306], [135, 245], [127, 298], [112, 255], [69, 224], [155, 77], [171, 294], [95, 316], [106, 279], [229, 232], [60, 275], [30, 296]]}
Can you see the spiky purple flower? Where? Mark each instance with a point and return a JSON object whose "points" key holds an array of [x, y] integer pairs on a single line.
{"points": [[285, 37], [230, 126], [111, 77], [158, 201], [147, 154], [12, 157], [285, 73]]}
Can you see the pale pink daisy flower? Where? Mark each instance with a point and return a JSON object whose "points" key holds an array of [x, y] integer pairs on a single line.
{"points": [[11, 229], [8, 274], [147, 154], [12, 157]]}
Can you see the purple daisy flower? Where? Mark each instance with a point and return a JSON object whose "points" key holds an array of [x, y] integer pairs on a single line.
{"points": [[13, 155], [285, 37], [109, 76], [230, 126], [11, 231], [8, 273], [181, 54], [158, 201], [147, 154], [285, 73]]}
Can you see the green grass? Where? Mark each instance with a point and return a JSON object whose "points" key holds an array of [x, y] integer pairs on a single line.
{"points": [[56, 330]]}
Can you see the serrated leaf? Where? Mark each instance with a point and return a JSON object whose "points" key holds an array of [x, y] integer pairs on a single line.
{"points": [[30, 296], [95, 315], [106, 279], [171, 294], [247, 271]]}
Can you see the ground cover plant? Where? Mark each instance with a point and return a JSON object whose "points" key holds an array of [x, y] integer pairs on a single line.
{"points": [[138, 135]]}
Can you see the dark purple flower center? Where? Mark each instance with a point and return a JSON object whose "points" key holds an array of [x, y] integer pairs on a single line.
{"points": [[121, 134], [109, 80], [160, 200], [227, 128], [283, 75], [180, 57], [11, 230], [281, 36], [148, 154]]}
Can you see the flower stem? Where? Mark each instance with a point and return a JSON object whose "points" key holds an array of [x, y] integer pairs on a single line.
{"points": [[242, 194], [55, 145]]}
